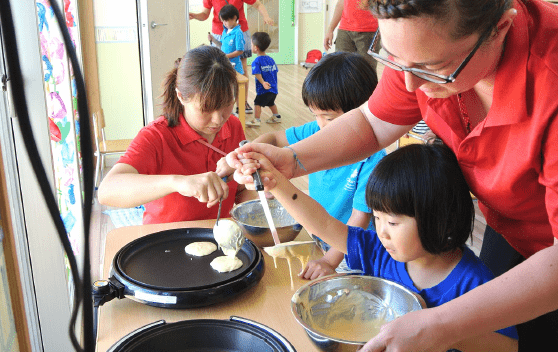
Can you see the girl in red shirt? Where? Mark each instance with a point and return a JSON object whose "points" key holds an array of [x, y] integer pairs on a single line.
{"points": [[175, 164]]}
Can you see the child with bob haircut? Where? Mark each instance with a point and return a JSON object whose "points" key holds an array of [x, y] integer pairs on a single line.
{"points": [[232, 40], [423, 214], [176, 162], [341, 191]]}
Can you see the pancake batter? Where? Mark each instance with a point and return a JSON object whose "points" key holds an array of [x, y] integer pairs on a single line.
{"points": [[289, 250], [228, 236]]}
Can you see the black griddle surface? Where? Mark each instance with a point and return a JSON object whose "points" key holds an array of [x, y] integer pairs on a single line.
{"points": [[159, 261]]}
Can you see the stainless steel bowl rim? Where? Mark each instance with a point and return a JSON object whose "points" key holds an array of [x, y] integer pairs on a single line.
{"points": [[334, 276], [235, 218]]}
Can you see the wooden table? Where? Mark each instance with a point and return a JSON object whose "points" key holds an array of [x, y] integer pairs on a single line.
{"points": [[268, 303], [242, 82]]}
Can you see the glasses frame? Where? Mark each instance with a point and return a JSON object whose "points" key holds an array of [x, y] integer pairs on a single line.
{"points": [[422, 74]]}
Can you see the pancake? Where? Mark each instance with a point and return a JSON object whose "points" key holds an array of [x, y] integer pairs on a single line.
{"points": [[225, 264], [199, 249]]}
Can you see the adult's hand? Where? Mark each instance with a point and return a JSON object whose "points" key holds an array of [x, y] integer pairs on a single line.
{"points": [[328, 40], [281, 158], [416, 331], [269, 21]]}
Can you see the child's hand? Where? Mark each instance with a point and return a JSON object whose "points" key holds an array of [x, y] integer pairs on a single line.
{"points": [[223, 169], [317, 268], [206, 188], [266, 85]]}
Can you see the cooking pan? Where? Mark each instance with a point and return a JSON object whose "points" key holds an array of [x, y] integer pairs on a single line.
{"points": [[235, 334], [156, 270]]}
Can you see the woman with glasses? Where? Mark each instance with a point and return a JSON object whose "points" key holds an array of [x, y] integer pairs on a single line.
{"points": [[483, 74]]}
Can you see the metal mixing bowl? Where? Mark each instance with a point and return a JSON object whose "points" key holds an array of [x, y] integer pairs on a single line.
{"points": [[251, 219], [341, 312]]}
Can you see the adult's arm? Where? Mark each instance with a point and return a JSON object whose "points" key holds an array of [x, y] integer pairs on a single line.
{"points": [[262, 10], [125, 187], [523, 293], [349, 138], [335, 19], [200, 16], [276, 138]]}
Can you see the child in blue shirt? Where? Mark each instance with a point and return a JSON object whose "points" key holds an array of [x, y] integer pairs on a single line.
{"points": [[337, 84], [265, 70], [232, 40], [423, 214]]}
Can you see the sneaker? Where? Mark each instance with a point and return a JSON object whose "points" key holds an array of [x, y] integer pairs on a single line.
{"points": [[248, 109], [274, 119], [254, 123]]}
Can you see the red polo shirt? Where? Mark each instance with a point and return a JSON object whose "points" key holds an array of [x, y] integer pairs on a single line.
{"points": [[217, 5], [510, 159], [162, 150], [356, 19]]}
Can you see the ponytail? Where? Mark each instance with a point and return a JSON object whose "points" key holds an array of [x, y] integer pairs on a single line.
{"points": [[172, 107]]}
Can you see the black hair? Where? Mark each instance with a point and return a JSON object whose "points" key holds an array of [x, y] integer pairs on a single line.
{"points": [[205, 72], [425, 182], [261, 40], [467, 16], [228, 12], [339, 81]]}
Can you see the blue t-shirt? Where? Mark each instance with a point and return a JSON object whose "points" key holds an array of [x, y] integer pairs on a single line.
{"points": [[265, 66], [231, 41], [342, 189], [365, 252]]}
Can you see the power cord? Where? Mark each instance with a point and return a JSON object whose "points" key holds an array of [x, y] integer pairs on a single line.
{"points": [[82, 296]]}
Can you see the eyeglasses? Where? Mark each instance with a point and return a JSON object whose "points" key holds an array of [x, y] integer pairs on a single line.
{"points": [[427, 76]]}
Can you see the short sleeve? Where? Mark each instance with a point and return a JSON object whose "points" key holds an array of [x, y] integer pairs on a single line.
{"points": [[359, 200], [208, 4], [391, 102], [144, 152], [256, 67], [239, 41], [298, 133]]}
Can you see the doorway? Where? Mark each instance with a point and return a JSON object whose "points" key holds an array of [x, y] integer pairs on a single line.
{"points": [[166, 33]]}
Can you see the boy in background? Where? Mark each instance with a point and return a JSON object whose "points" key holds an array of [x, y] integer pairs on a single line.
{"points": [[338, 83], [265, 70], [232, 40]]}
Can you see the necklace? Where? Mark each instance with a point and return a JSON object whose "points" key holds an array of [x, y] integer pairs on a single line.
{"points": [[464, 113]]}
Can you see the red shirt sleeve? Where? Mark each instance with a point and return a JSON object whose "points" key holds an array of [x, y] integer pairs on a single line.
{"points": [[391, 102]]}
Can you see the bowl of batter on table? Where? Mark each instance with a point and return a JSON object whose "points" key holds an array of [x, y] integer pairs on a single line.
{"points": [[341, 312], [250, 217]]}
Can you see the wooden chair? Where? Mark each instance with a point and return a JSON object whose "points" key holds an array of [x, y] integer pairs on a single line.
{"points": [[103, 146]]}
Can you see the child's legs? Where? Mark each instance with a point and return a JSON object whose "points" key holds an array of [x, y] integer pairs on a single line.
{"points": [[274, 109], [257, 111]]}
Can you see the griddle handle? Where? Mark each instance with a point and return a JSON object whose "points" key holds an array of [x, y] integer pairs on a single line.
{"points": [[267, 329], [256, 175]]}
